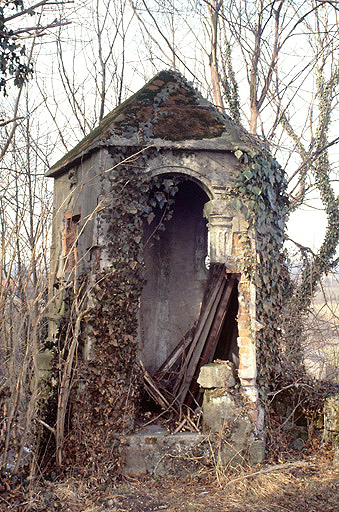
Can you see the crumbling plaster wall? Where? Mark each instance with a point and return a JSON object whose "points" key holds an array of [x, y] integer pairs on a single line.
{"points": [[176, 276], [76, 192]]}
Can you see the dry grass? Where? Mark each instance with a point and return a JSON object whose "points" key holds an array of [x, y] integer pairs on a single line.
{"points": [[22, 326], [311, 485]]}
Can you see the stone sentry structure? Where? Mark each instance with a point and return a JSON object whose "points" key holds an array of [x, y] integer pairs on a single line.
{"points": [[180, 135]]}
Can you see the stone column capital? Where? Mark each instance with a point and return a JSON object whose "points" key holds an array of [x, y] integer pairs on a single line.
{"points": [[219, 215], [219, 209]]}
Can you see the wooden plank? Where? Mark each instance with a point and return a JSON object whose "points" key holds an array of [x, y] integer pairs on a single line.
{"points": [[215, 272], [152, 389], [199, 341], [201, 333], [219, 319], [230, 326], [176, 353], [205, 317], [216, 275], [214, 334], [195, 344], [201, 328], [213, 337]]}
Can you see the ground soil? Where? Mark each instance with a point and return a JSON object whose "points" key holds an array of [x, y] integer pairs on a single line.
{"points": [[310, 484]]}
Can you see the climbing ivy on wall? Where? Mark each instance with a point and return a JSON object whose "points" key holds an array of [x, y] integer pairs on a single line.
{"points": [[259, 191], [107, 392]]}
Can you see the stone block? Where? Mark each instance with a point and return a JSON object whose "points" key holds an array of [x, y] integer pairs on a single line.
{"points": [[219, 411], [246, 450], [217, 375], [331, 414], [225, 420], [162, 454], [219, 208], [44, 362], [222, 414], [156, 452], [256, 452]]}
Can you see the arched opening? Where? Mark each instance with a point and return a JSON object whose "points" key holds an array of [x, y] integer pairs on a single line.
{"points": [[176, 275]]}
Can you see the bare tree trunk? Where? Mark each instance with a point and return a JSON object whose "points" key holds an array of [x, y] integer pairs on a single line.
{"points": [[254, 107], [213, 8]]}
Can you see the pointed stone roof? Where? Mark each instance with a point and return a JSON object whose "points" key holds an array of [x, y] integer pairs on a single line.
{"points": [[167, 112]]}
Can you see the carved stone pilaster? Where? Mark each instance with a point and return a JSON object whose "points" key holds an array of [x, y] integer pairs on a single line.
{"points": [[219, 216]]}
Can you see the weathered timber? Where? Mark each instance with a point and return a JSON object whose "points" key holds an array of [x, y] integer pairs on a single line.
{"points": [[153, 390], [216, 275], [175, 355], [212, 340], [199, 340]]}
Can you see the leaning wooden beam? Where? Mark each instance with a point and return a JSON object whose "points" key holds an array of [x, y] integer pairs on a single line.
{"points": [[198, 343], [191, 337], [152, 389], [217, 271], [174, 355], [216, 277], [213, 338], [207, 316], [218, 321]]}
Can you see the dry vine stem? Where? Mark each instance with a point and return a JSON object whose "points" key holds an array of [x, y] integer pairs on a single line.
{"points": [[65, 387]]}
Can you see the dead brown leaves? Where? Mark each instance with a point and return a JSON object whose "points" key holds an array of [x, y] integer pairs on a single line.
{"points": [[311, 485]]}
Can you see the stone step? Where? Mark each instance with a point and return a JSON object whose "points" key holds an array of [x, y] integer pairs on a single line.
{"points": [[154, 451]]}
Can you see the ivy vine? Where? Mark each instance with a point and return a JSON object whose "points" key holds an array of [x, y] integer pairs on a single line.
{"points": [[259, 192], [106, 398], [11, 52]]}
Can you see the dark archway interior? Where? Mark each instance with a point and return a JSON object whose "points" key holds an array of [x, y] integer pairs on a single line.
{"points": [[182, 302], [227, 348], [176, 275]]}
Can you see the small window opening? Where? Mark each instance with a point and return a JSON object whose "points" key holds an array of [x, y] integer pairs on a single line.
{"points": [[70, 237]]}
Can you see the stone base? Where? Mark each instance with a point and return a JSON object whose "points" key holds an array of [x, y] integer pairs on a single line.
{"points": [[155, 452], [331, 415], [222, 414]]}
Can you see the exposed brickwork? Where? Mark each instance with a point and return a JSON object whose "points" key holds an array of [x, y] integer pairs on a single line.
{"points": [[247, 370]]}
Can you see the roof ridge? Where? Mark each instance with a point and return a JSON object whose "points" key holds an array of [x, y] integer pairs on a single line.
{"points": [[156, 111]]}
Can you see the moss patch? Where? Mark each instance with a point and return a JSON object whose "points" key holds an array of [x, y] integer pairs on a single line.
{"points": [[167, 107]]}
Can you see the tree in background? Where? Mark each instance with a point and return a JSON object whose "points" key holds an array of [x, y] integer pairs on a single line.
{"points": [[13, 60], [12, 50], [25, 207]]}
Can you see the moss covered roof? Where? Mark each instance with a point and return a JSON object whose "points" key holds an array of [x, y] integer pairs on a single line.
{"points": [[167, 108]]}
